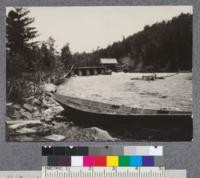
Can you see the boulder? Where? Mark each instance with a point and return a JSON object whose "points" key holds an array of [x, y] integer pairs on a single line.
{"points": [[27, 115], [58, 109], [22, 110], [55, 137], [36, 114], [52, 112], [9, 104], [23, 123], [36, 101], [48, 112], [28, 107], [57, 125], [45, 102], [98, 134], [25, 131]]}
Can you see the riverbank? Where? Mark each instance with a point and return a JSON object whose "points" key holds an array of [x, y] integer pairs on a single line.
{"points": [[42, 119]]}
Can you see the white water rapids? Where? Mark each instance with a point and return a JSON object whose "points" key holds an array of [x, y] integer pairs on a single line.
{"points": [[172, 93]]}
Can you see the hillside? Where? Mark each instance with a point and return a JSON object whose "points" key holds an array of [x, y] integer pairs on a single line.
{"points": [[162, 47]]}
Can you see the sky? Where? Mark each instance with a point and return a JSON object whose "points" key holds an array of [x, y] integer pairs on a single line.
{"points": [[87, 28]]}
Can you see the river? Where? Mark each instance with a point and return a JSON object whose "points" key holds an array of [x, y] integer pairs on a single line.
{"points": [[171, 93]]}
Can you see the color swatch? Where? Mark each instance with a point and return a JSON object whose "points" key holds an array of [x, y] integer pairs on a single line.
{"points": [[136, 161], [106, 150], [100, 161], [124, 161], [77, 161], [112, 161], [88, 161], [105, 161]]}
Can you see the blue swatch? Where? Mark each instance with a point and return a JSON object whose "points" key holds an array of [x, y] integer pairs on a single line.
{"points": [[136, 161]]}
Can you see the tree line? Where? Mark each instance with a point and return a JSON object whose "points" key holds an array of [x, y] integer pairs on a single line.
{"points": [[161, 47]]}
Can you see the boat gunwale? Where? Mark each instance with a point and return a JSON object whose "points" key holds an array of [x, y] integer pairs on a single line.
{"points": [[55, 96]]}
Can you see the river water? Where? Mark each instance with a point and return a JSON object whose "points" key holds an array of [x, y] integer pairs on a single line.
{"points": [[172, 93]]}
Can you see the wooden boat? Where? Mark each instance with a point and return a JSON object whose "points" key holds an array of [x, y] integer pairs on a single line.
{"points": [[120, 117], [94, 107]]}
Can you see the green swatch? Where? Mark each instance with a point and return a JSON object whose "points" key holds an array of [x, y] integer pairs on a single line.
{"points": [[124, 160]]}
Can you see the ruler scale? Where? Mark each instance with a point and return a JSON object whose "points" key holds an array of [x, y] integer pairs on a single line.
{"points": [[21, 174], [103, 172]]}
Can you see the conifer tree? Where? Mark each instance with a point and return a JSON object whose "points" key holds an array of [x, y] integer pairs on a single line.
{"points": [[20, 34]]}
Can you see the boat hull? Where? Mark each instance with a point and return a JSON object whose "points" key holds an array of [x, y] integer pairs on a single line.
{"points": [[154, 127], [148, 127]]}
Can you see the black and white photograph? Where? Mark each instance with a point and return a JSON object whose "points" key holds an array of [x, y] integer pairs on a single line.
{"points": [[99, 73]]}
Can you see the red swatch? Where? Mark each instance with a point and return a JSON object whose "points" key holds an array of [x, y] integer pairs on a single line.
{"points": [[100, 161]]}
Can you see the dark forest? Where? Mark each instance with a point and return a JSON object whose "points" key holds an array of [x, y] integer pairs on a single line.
{"points": [[162, 47]]}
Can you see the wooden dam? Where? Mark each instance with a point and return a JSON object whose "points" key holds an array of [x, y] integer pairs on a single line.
{"points": [[86, 71], [105, 67]]}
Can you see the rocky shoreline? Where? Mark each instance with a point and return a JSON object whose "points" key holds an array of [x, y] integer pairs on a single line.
{"points": [[42, 119]]}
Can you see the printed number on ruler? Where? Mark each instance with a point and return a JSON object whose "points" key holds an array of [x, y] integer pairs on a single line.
{"points": [[103, 172]]}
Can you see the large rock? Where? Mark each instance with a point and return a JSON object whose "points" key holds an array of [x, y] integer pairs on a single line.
{"points": [[55, 137], [48, 113], [57, 125], [23, 123], [28, 107], [51, 112], [27, 115], [58, 109], [9, 104], [25, 131], [45, 103], [36, 101], [36, 114], [98, 134], [49, 87]]}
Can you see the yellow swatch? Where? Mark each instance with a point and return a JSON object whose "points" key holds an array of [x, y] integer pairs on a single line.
{"points": [[112, 160]]}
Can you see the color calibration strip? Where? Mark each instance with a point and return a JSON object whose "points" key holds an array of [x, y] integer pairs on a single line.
{"points": [[107, 150], [103, 161]]}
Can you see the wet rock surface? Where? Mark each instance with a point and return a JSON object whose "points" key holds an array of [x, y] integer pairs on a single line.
{"points": [[41, 118]]}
